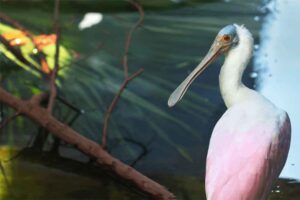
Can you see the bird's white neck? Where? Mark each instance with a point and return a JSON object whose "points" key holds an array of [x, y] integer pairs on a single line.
{"points": [[230, 79]]}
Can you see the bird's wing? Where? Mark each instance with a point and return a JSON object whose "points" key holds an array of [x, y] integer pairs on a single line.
{"points": [[246, 154]]}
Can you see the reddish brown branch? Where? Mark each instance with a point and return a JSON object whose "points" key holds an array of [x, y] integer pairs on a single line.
{"points": [[36, 100], [134, 75], [130, 33], [52, 85], [64, 132], [39, 98], [127, 78], [17, 25], [9, 119], [113, 105]]}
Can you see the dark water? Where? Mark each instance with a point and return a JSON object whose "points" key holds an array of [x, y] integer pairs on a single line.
{"points": [[171, 42]]}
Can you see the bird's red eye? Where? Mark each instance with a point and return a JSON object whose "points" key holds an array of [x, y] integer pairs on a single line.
{"points": [[226, 38]]}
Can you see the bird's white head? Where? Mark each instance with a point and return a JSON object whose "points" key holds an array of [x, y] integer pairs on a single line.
{"points": [[226, 41]]}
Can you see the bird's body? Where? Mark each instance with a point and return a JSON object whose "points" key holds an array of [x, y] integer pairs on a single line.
{"points": [[250, 143], [247, 151]]}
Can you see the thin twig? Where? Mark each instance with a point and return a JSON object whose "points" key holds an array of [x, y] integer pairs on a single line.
{"points": [[134, 75], [9, 119], [113, 105], [129, 35], [127, 78], [52, 85]]}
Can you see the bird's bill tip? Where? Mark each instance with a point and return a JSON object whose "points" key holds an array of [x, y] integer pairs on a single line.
{"points": [[171, 102]]}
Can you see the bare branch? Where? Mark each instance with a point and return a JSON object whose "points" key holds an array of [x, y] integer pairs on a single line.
{"points": [[129, 35], [113, 105], [52, 85], [127, 78], [37, 99], [134, 75], [87, 146]]}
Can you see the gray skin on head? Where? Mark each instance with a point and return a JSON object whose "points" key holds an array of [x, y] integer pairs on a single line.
{"points": [[228, 30]]}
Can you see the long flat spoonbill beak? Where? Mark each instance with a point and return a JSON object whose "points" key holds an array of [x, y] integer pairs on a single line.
{"points": [[215, 50]]}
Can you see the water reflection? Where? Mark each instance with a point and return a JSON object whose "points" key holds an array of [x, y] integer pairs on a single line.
{"points": [[278, 60]]}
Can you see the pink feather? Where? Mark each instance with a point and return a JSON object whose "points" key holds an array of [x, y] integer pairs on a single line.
{"points": [[246, 153]]}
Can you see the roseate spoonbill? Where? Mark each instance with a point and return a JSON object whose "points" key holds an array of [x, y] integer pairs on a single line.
{"points": [[250, 143]]}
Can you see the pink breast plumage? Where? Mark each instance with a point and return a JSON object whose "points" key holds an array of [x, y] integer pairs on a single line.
{"points": [[242, 163]]}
